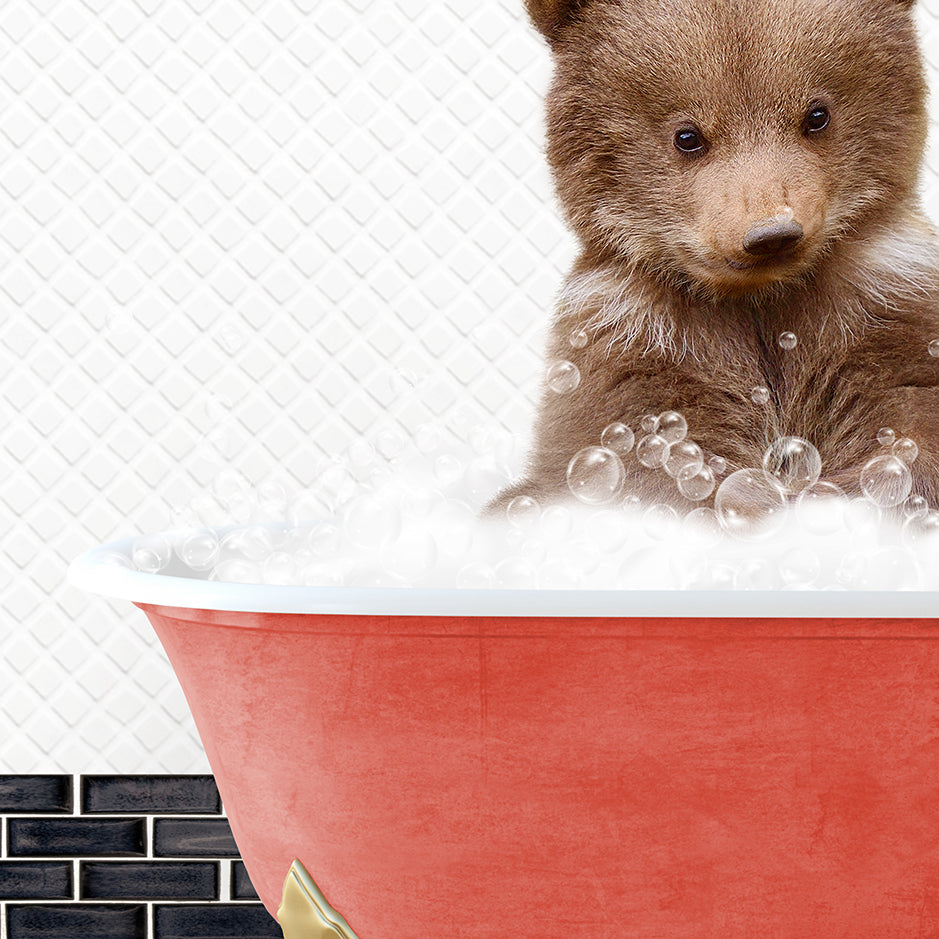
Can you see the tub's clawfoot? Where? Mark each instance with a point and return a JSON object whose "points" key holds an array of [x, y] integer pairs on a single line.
{"points": [[304, 913]]}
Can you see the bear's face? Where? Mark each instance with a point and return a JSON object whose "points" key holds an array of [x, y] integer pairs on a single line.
{"points": [[727, 145]]}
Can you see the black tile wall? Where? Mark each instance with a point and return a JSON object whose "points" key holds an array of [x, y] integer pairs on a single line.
{"points": [[136, 880], [241, 886], [35, 794], [77, 837], [206, 837], [72, 921], [107, 864], [153, 795], [36, 880], [214, 922]]}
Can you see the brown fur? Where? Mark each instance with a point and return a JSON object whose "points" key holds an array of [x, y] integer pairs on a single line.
{"points": [[679, 315]]}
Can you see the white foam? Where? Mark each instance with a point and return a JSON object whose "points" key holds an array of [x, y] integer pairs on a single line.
{"points": [[407, 514]]}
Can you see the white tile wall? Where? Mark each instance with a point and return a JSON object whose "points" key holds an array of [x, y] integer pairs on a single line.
{"points": [[241, 232]]}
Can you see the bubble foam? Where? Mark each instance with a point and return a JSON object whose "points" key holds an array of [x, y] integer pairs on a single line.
{"points": [[408, 513]]}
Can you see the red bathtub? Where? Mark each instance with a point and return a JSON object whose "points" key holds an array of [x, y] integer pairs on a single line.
{"points": [[456, 764]]}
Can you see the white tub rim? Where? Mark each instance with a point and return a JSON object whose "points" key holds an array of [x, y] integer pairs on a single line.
{"points": [[91, 572]]}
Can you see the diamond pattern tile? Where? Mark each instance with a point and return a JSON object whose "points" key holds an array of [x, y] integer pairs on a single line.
{"points": [[248, 233]]}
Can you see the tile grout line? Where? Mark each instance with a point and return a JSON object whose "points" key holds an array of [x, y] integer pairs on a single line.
{"points": [[224, 881]]}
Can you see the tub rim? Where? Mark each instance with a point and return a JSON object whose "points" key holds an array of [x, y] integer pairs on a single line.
{"points": [[91, 572]]}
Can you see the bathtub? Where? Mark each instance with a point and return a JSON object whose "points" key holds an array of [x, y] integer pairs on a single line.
{"points": [[419, 764]]}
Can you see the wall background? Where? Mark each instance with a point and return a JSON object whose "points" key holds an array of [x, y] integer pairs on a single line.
{"points": [[249, 233]]}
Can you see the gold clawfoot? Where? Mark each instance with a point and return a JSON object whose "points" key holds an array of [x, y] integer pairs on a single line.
{"points": [[304, 913]]}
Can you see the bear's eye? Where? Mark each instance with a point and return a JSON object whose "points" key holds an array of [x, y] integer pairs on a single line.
{"points": [[690, 140], [817, 119]]}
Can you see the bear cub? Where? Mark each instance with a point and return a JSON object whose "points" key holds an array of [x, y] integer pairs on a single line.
{"points": [[742, 178]]}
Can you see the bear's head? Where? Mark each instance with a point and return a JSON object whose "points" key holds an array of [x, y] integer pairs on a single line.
{"points": [[728, 145]]}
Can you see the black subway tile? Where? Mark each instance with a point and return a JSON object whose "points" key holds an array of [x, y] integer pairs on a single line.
{"points": [[248, 921], [150, 794], [77, 921], [76, 837], [35, 880], [193, 837], [35, 794], [241, 886], [149, 880]]}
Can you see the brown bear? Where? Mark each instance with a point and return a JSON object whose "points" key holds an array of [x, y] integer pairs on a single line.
{"points": [[737, 170]]}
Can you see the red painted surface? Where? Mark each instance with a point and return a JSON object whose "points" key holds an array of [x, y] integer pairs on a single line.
{"points": [[443, 778]]}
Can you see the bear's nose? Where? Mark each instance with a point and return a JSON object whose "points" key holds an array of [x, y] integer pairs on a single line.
{"points": [[772, 236]]}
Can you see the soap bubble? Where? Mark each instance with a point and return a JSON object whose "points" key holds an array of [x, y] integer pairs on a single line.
{"points": [[618, 437], [649, 423], [253, 542], [703, 526], [886, 436], [906, 450], [322, 574], [458, 520], [279, 567], [696, 484], [788, 341], [672, 426], [922, 528], [482, 439], [447, 470], [659, 521], [390, 443], [115, 559], [210, 512], [516, 573], [336, 483], [607, 530], [799, 567], [231, 486], [915, 507], [683, 457], [821, 508], [893, 567], [652, 451], [851, 572], [412, 555], [557, 522], [862, 517], [151, 553], [428, 438], [595, 475], [749, 505], [476, 576], [324, 540], [483, 478], [362, 460], [522, 511], [198, 549], [934, 348], [792, 463], [563, 377], [755, 574], [760, 394], [886, 481], [718, 464], [579, 338], [305, 507], [236, 571], [369, 521]]}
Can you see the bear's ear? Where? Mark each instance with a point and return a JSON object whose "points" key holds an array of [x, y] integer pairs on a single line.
{"points": [[550, 15]]}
